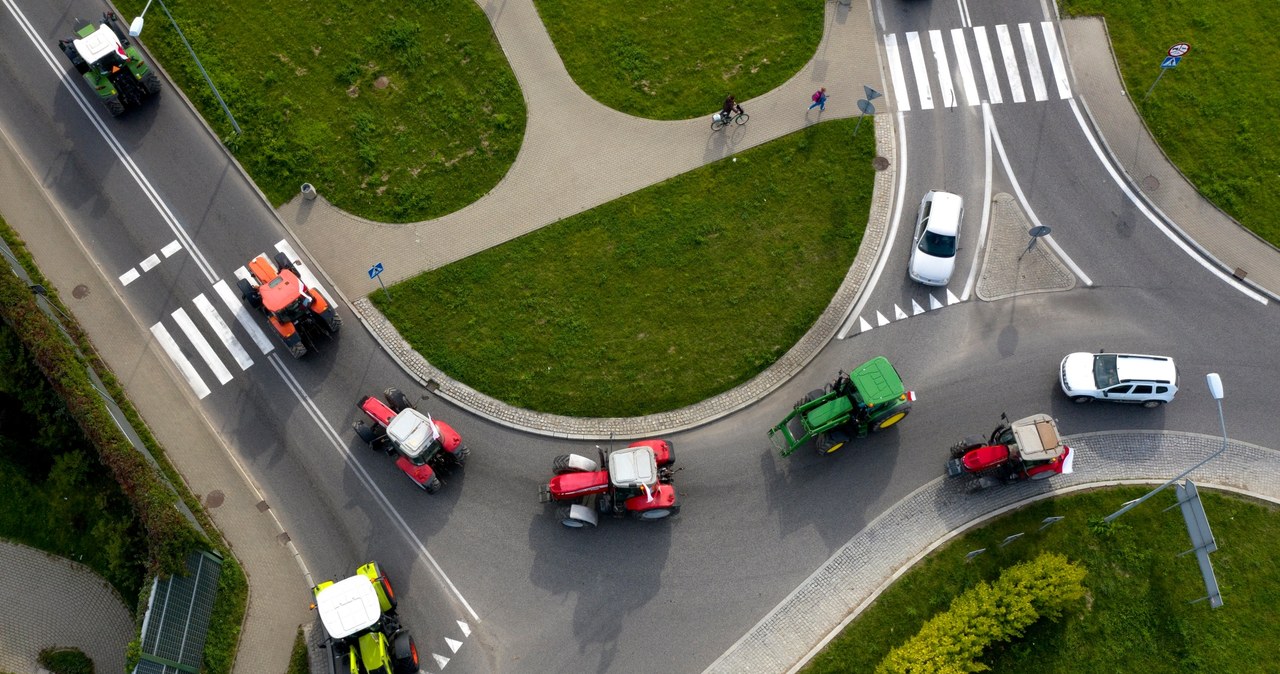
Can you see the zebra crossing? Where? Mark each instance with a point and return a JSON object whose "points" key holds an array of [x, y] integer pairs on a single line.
{"points": [[212, 357], [938, 59]]}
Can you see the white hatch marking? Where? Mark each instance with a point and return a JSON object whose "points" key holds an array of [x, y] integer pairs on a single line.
{"points": [[223, 331], [1033, 62], [202, 345], [440, 660], [1010, 64], [454, 644], [466, 629], [916, 309], [951, 297], [863, 325], [934, 303], [172, 248], [175, 354], [898, 313], [922, 73], [242, 315], [881, 320]]}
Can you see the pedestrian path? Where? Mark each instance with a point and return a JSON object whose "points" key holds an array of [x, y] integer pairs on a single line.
{"points": [[929, 517], [51, 601]]}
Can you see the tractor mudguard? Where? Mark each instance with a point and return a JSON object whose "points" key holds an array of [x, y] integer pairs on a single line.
{"points": [[449, 438], [663, 451], [420, 474], [663, 496]]}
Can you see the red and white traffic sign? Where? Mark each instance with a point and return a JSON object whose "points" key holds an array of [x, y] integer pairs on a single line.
{"points": [[1179, 49]]}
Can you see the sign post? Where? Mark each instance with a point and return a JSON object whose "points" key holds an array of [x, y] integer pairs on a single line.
{"points": [[865, 106], [375, 272], [1176, 52]]}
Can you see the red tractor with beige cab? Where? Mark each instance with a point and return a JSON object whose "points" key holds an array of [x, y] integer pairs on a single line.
{"points": [[293, 309], [423, 447], [1026, 449], [634, 481]]}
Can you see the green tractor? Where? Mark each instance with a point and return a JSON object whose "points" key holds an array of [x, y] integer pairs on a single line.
{"points": [[867, 400], [111, 64]]}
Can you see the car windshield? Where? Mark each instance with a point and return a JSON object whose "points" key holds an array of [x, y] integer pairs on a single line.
{"points": [[1104, 371], [938, 245]]}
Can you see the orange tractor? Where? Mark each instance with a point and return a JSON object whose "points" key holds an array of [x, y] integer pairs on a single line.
{"points": [[292, 308]]}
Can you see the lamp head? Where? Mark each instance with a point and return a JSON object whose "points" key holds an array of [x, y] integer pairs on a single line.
{"points": [[1215, 385], [135, 27]]}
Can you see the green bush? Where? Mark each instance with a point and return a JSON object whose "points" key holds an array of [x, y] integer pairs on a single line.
{"points": [[988, 613], [65, 661]]}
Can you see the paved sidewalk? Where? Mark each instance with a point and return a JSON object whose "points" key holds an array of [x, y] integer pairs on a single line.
{"points": [[1160, 182], [578, 154], [857, 573], [53, 601]]}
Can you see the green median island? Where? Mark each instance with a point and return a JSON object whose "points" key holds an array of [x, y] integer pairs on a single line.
{"points": [[659, 299], [394, 111], [1079, 596]]}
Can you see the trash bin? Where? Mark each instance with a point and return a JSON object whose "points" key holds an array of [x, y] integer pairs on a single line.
{"points": [[308, 191]]}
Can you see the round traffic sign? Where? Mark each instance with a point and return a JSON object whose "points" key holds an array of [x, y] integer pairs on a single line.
{"points": [[1179, 49], [1039, 231]]}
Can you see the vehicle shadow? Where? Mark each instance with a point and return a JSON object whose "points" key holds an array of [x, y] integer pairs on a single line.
{"points": [[597, 570]]}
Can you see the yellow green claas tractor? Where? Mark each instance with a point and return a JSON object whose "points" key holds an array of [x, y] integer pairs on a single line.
{"points": [[869, 399], [111, 64], [362, 632]]}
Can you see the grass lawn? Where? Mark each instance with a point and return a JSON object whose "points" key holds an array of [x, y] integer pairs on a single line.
{"points": [[395, 111], [1214, 114], [669, 59], [661, 298], [298, 662], [1135, 616], [57, 496]]}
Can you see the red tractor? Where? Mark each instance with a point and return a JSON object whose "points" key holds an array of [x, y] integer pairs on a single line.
{"points": [[423, 447], [1027, 449], [292, 308], [635, 480]]}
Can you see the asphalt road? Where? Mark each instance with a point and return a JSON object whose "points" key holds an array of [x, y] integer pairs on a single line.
{"points": [[633, 596]]}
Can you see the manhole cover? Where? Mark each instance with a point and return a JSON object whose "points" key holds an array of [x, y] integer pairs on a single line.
{"points": [[214, 499], [80, 292], [1150, 183], [880, 163]]}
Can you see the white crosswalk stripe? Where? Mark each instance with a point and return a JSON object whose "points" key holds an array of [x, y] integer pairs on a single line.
{"points": [[184, 366], [1026, 68], [203, 348], [222, 330], [237, 308]]}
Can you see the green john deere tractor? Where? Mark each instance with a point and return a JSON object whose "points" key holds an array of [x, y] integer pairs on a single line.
{"points": [[867, 400], [111, 64]]}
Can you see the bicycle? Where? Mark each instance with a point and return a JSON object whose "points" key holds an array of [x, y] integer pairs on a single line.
{"points": [[720, 120]]}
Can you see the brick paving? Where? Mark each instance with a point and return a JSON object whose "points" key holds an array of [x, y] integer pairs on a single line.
{"points": [[52, 601]]}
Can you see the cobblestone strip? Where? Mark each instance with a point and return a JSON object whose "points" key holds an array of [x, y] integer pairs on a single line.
{"points": [[783, 369], [857, 573]]}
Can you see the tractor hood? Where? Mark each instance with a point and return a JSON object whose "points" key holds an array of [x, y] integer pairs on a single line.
{"points": [[98, 44], [348, 606], [413, 432]]}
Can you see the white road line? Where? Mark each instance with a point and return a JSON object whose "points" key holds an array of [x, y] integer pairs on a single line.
{"points": [[986, 202], [944, 68], [241, 312], [921, 72], [244, 273], [898, 313], [881, 320], [863, 325], [129, 276], [895, 73], [964, 13], [1010, 64], [951, 297], [95, 118], [934, 303], [966, 68], [149, 263], [307, 277], [1033, 62], [223, 331], [916, 309], [1177, 240], [988, 65], [1026, 205], [202, 346], [173, 247], [1055, 60], [175, 354]]}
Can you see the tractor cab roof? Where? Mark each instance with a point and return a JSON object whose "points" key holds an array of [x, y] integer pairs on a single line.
{"points": [[877, 382], [633, 466], [281, 291], [348, 606], [413, 432], [98, 44], [1037, 438]]}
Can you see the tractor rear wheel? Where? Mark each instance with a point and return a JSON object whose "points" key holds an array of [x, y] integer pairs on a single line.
{"points": [[655, 514], [893, 418], [961, 448], [397, 400], [431, 486], [368, 434], [283, 263], [404, 653], [565, 515], [151, 82], [114, 106], [564, 464]]}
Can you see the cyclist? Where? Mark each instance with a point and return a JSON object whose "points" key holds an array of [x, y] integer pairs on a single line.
{"points": [[729, 109]]}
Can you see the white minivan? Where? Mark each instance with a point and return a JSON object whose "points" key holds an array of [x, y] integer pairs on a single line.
{"points": [[933, 249]]}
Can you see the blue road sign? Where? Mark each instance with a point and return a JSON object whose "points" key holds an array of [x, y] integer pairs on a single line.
{"points": [[375, 270], [1170, 61]]}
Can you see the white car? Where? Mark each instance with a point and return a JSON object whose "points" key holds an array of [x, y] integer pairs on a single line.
{"points": [[1119, 377], [933, 249]]}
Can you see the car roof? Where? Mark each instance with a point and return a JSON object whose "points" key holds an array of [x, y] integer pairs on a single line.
{"points": [[944, 214], [1137, 367]]}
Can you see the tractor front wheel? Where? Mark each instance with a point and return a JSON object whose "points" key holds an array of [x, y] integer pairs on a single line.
{"points": [[368, 434], [431, 486], [565, 515], [404, 653], [964, 446], [460, 456], [829, 443], [397, 400], [893, 418]]}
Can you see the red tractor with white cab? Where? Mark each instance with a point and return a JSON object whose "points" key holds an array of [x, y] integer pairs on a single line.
{"points": [[1026, 449], [634, 481], [423, 447]]}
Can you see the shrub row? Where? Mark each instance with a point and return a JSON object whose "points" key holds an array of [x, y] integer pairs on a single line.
{"points": [[987, 613]]}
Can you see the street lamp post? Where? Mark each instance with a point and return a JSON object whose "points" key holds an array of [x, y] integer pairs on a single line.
{"points": [[1215, 390]]}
